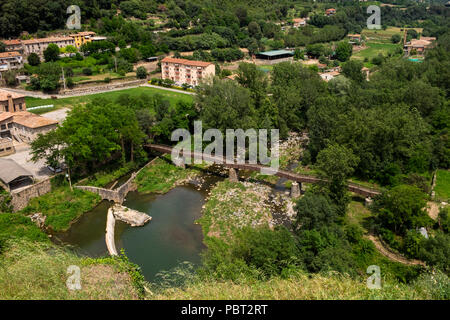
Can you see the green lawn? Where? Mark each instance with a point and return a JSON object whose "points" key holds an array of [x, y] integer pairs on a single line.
{"points": [[70, 102], [442, 187], [62, 206], [374, 49]]}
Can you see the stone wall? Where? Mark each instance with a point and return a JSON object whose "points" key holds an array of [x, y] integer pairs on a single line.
{"points": [[105, 194], [20, 199], [117, 195], [92, 88]]}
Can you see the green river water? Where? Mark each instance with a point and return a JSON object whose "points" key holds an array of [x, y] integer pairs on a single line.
{"points": [[171, 237]]}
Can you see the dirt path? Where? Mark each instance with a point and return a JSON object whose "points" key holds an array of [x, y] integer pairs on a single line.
{"points": [[433, 210], [391, 255]]}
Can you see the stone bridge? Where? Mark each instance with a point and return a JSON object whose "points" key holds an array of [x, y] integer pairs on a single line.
{"points": [[297, 178]]}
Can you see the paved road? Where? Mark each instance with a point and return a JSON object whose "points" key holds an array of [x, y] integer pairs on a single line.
{"points": [[168, 89], [58, 115]]}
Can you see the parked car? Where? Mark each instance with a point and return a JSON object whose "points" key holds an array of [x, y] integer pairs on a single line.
{"points": [[54, 169]]}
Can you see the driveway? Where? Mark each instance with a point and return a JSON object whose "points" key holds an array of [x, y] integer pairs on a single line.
{"points": [[23, 158], [58, 115]]}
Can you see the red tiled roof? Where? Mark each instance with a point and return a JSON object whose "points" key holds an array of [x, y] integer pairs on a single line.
{"points": [[186, 62], [41, 40], [30, 120], [9, 54], [83, 33], [11, 42], [4, 95], [5, 115]]}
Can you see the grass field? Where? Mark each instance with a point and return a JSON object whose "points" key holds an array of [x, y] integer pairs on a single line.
{"points": [[174, 97], [374, 49], [385, 35], [442, 187]]}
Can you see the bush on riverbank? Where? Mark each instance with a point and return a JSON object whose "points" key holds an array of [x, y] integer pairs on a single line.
{"points": [[62, 206], [161, 176]]}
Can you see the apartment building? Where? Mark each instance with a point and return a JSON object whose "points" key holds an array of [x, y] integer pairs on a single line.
{"points": [[13, 45], [38, 46], [81, 38], [10, 60], [186, 71]]}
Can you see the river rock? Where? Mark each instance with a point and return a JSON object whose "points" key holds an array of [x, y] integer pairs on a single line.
{"points": [[132, 217]]}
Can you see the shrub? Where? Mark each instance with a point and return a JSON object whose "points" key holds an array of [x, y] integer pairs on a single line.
{"points": [[33, 59], [87, 71], [141, 73], [70, 84]]}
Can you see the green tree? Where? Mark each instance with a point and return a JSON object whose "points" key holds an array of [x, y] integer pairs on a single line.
{"points": [[141, 73], [344, 51], [335, 164], [51, 53], [396, 38], [224, 104], [402, 208], [49, 74], [2, 47], [353, 70], [314, 212], [249, 76], [33, 59]]}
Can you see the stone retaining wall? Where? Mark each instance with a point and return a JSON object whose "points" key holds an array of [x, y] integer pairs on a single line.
{"points": [[20, 199], [111, 86]]}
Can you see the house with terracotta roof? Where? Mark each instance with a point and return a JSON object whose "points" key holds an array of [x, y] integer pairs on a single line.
{"points": [[17, 123], [330, 12], [354, 38], [10, 60], [298, 22], [416, 46], [186, 71], [81, 38], [24, 126], [327, 76], [27, 126], [11, 101]]}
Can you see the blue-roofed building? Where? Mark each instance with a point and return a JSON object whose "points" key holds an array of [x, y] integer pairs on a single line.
{"points": [[275, 56]]}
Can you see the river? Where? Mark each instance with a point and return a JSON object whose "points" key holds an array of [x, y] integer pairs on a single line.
{"points": [[171, 237]]}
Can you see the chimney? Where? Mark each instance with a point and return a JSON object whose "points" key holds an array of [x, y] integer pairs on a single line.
{"points": [[10, 103]]}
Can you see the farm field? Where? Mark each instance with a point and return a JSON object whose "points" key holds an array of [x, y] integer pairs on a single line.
{"points": [[174, 97], [374, 49], [442, 187], [385, 35]]}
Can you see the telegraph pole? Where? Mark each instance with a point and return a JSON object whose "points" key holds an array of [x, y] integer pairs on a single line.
{"points": [[63, 79]]}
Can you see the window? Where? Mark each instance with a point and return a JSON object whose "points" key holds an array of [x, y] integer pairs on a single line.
{"points": [[3, 126]]}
